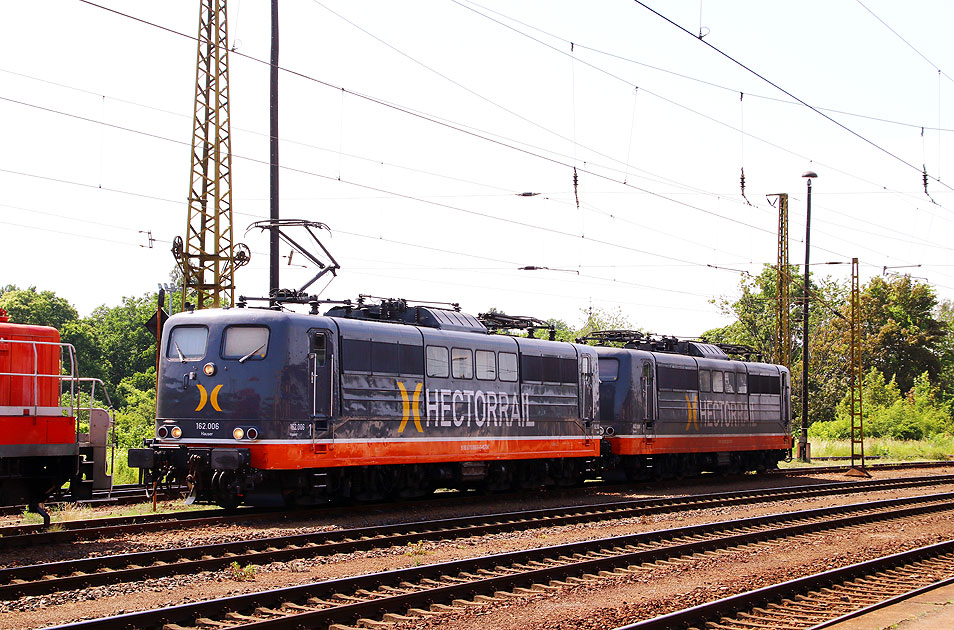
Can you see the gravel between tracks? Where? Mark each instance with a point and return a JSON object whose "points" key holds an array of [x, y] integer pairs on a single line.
{"points": [[605, 604]]}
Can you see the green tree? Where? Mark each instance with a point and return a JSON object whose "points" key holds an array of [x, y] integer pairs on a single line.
{"points": [[38, 308], [900, 335], [128, 348], [755, 316], [45, 308]]}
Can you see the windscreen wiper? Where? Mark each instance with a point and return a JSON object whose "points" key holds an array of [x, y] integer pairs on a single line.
{"points": [[247, 356]]}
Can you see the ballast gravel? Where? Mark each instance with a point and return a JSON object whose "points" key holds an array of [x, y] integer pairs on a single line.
{"points": [[603, 603]]}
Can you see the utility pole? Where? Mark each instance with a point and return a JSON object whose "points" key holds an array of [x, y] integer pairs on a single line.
{"points": [[803, 449], [273, 240]]}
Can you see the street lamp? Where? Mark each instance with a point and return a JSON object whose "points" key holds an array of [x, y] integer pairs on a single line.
{"points": [[803, 454]]}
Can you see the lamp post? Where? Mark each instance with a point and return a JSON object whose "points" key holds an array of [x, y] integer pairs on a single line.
{"points": [[803, 453]]}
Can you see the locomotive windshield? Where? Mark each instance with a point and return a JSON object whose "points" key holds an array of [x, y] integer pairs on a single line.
{"points": [[187, 343], [245, 342]]}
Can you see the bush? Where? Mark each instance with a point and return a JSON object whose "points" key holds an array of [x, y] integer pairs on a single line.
{"points": [[918, 415]]}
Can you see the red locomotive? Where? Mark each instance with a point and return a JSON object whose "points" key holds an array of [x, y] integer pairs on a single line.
{"points": [[40, 449]]}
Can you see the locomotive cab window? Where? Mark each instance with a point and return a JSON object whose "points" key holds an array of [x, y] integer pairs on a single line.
{"points": [[729, 382], [245, 343], [743, 384], [486, 365], [718, 382], [437, 361], [187, 343], [462, 363]]}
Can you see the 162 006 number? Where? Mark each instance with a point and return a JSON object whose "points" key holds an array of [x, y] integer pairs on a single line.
{"points": [[206, 426]]}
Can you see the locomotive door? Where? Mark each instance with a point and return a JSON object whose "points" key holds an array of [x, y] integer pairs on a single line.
{"points": [[322, 363], [586, 391], [648, 388]]}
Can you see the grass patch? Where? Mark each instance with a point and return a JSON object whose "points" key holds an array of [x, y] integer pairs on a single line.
{"points": [[887, 449], [122, 473], [237, 572]]}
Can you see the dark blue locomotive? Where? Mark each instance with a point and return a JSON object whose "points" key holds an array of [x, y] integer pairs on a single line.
{"points": [[264, 407], [673, 408]]}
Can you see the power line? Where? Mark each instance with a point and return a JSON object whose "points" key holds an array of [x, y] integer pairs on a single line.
{"points": [[461, 129], [679, 74], [786, 92], [909, 44], [685, 107], [418, 199]]}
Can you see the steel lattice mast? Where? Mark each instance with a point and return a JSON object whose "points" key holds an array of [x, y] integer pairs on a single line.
{"points": [[857, 374], [208, 258], [783, 335]]}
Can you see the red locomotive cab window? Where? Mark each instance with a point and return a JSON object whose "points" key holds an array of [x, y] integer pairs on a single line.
{"points": [[187, 343], [245, 343]]}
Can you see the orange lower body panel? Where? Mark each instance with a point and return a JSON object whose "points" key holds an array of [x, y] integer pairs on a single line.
{"points": [[641, 445], [296, 456]]}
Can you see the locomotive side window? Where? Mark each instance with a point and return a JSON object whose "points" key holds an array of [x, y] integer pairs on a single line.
{"points": [[319, 348], [743, 384], [508, 367], [729, 382], [437, 361], [569, 371], [672, 378], [532, 368], [378, 357], [705, 380], [385, 358], [412, 360], [718, 382], [551, 370], [609, 370], [462, 363], [486, 365], [187, 343], [245, 342], [355, 355]]}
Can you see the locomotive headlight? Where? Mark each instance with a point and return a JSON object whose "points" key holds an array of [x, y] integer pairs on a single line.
{"points": [[162, 433], [209, 369], [176, 433], [238, 433], [252, 433]]}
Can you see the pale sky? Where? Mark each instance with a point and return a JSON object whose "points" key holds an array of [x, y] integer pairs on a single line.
{"points": [[411, 128]]}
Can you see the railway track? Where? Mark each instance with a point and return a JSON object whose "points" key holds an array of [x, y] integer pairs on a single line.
{"points": [[20, 536], [445, 587], [139, 493], [821, 599]]}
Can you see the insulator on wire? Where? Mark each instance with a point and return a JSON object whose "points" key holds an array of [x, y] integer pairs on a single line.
{"points": [[742, 184], [576, 192]]}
